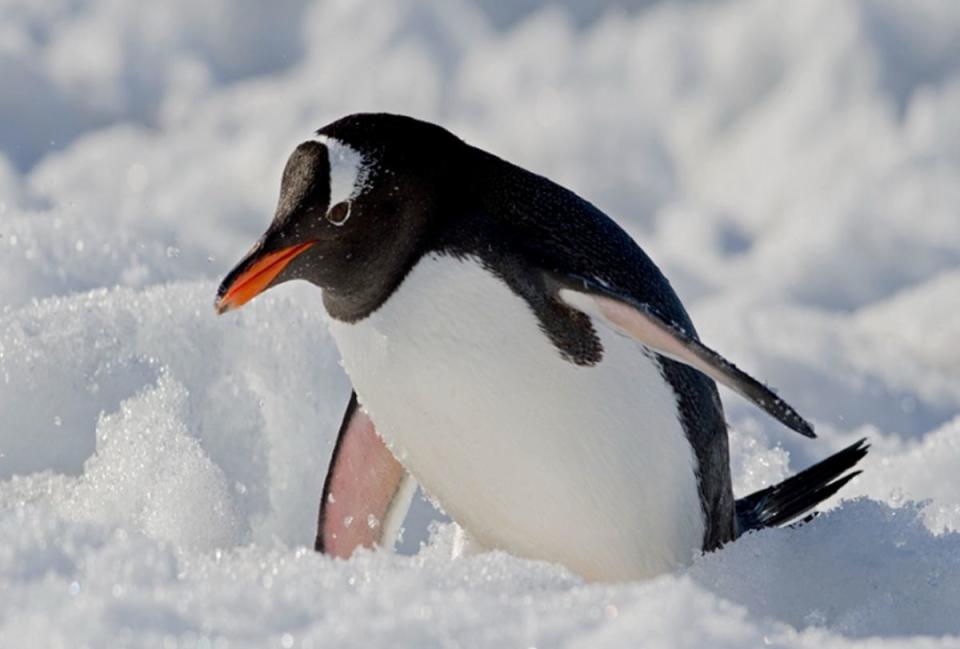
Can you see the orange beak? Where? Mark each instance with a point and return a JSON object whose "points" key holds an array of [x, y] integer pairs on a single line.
{"points": [[249, 279]]}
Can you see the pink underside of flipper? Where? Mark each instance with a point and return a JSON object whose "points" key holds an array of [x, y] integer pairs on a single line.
{"points": [[645, 330], [364, 479]]}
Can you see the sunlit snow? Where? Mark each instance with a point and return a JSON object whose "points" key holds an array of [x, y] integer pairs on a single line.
{"points": [[793, 167]]}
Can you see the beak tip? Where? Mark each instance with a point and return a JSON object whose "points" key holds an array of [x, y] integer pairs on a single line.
{"points": [[221, 306]]}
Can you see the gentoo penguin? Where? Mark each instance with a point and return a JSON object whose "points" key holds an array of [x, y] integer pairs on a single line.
{"points": [[514, 352]]}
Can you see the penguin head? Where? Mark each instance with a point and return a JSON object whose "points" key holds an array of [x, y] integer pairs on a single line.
{"points": [[355, 212]]}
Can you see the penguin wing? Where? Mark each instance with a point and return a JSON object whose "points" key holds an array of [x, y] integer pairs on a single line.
{"points": [[633, 318], [367, 492]]}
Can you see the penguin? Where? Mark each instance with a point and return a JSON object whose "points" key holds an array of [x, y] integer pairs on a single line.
{"points": [[515, 353]]}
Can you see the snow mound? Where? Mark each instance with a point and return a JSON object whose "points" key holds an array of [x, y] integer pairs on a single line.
{"points": [[862, 571], [156, 405]]}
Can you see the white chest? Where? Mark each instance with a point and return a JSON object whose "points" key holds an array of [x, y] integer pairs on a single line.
{"points": [[586, 466]]}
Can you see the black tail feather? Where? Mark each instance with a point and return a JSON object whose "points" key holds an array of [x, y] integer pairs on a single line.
{"points": [[797, 495]]}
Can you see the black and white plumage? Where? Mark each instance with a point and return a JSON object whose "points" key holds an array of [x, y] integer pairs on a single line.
{"points": [[519, 354]]}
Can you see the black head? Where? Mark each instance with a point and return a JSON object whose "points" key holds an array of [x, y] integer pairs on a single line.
{"points": [[357, 206]]}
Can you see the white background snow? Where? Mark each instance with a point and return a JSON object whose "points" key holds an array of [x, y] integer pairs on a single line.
{"points": [[794, 167]]}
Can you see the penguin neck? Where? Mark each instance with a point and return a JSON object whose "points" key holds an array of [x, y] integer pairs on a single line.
{"points": [[367, 284], [353, 305]]}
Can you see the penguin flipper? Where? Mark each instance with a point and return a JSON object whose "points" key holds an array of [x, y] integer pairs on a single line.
{"points": [[367, 492], [639, 321]]}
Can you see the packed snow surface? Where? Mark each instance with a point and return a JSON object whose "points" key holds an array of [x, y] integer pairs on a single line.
{"points": [[793, 167]]}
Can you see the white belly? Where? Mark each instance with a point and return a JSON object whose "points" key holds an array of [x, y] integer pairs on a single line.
{"points": [[585, 466]]}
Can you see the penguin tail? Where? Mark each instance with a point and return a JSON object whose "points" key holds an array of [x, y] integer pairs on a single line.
{"points": [[797, 495]]}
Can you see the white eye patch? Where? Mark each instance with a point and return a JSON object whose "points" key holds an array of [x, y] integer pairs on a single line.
{"points": [[349, 172]]}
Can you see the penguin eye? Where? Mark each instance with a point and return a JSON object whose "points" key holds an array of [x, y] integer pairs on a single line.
{"points": [[339, 213]]}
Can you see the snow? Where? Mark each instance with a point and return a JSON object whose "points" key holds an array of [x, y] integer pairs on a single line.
{"points": [[794, 168]]}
